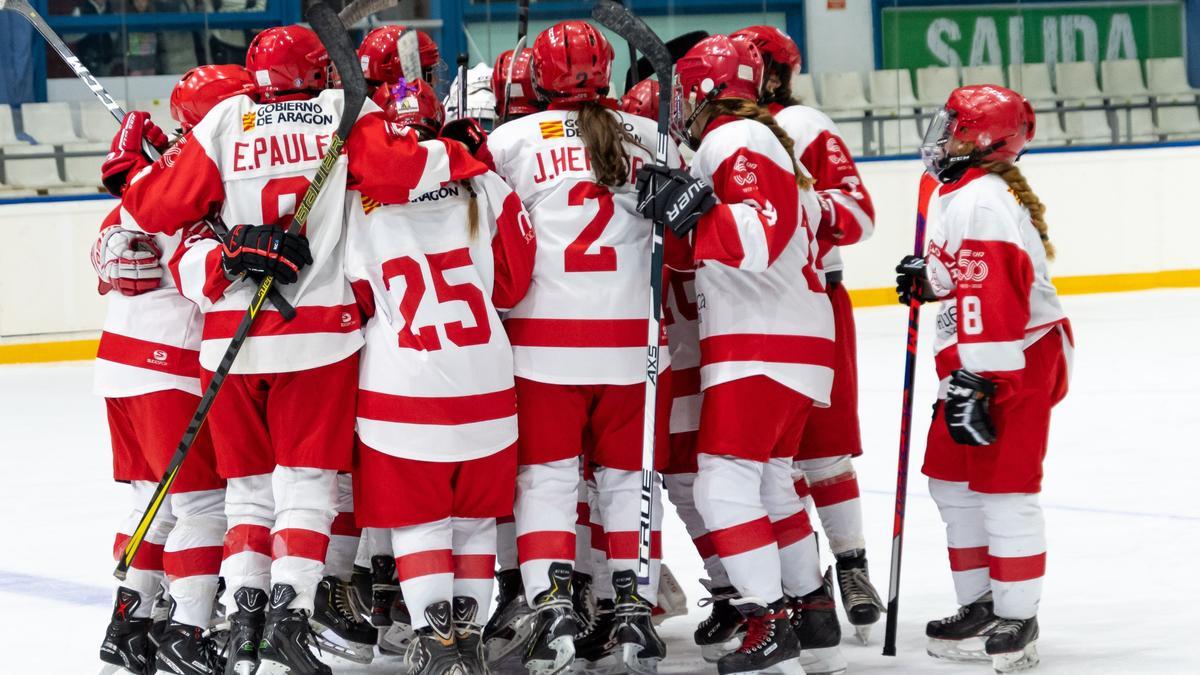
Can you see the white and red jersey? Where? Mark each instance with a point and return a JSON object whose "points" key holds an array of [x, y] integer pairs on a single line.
{"points": [[150, 341], [848, 216], [681, 320], [584, 319], [252, 163], [988, 265], [436, 374], [761, 298]]}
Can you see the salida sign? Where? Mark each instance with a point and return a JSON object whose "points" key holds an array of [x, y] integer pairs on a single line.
{"points": [[916, 37]]}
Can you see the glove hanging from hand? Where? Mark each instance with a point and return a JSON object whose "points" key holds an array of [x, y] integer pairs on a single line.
{"points": [[127, 260], [967, 408], [467, 131], [912, 269], [259, 250], [673, 197], [125, 155]]}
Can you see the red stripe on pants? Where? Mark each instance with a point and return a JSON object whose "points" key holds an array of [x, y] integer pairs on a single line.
{"points": [[1021, 568], [474, 566], [835, 490], [424, 563], [802, 490], [343, 525], [963, 559], [730, 541], [300, 543], [242, 538], [583, 513], [192, 562], [704, 546], [149, 557], [546, 545], [599, 537], [624, 545], [503, 520], [792, 529]]}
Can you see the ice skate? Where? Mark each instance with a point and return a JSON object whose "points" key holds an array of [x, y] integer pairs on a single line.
{"points": [[433, 650], [245, 631], [814, 619], [360, 582], [384, 589], [1012, 645], [641, 648], [551, 645], [860, 600], [511, 623], [340, 629], [583, 601], [284, 648], [127, 640], [718, 634], [468, 635], [770, 644], [595, 646], [961, 637], [188, 650]]}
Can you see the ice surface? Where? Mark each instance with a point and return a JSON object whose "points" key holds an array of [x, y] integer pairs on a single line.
{"points": [[1121, 498]]}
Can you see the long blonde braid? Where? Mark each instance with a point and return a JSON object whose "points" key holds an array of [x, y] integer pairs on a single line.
{"points": [[740, 107], [1020, 187]]}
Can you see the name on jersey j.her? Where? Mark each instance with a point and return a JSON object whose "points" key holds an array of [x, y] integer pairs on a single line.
{"points": [[571, 159]]}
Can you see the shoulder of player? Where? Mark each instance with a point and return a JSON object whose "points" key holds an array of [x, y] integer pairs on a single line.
{"points": [[739, 137], [805, 123], [524, 127]]}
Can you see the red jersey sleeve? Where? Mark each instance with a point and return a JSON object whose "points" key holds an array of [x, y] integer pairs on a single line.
{"points": [[848, 216], [513, 248], [388, 167], [757, 214], [178, 189]]}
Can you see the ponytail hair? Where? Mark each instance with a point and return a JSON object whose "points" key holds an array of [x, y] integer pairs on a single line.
{"points": [[604, 139], [740, 107], [1020, 188], [472, 209]]}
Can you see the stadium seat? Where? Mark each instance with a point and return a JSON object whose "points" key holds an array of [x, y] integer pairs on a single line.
{"points": [[160, 112], [1121, 81], [8, 133], [1031, 80], [1167, 77], [1166, 80], [1049, 129], [85, 171], [892, 94], [1077, 86], [843, 91], [983, 75], [934, 84], [892, 87], [49, 123], [96, 123], [850, 130], [32, 174], [804, 90]]}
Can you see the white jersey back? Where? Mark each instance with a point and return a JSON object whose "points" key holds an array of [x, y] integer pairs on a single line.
{"points": [[584, 318]]}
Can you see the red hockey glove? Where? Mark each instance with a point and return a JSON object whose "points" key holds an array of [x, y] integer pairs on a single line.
{"points": [[127, 261], [125, 155]]}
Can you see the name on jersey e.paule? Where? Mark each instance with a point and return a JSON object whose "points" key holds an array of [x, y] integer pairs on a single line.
{"points": [[573, 159], [285, 148]]}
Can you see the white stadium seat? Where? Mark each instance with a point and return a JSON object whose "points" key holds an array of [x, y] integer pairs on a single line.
{"points": [[32, 174], [96, 123], [1077, 86], [1167, 76], [983, 75], [843, 91], [1031, 80], [49, 123], [1166, 79], [804, 90], [934, 84], [85, 171], [8, 134], [1121, 81]]}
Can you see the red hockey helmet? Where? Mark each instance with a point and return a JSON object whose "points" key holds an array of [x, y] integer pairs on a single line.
{"points": [[717, 67], [773, 44], [524, 98], [642, 99], [989, 124], [287, 59], [412, 104], [202, 88], [572, 61], [380, 59]]}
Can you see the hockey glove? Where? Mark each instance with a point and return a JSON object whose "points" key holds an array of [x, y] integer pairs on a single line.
{"points": [[259, 250], [673, 197], [467, 131], [967, 408], [912, 270], [125, 155], [127, 261]]}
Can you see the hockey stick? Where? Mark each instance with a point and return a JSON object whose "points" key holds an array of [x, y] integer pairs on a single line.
{"points": [[337, 41], [361, 9], [462, 85], [618, 19], [924, 192], [633, 58], [522, 37], [30, 14], [409, 47]]}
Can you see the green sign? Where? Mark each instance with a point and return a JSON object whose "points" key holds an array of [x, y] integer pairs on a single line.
{"points": [[915, 37]]}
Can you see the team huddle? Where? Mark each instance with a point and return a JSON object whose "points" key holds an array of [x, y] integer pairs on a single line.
{"points": [[431, 443]]}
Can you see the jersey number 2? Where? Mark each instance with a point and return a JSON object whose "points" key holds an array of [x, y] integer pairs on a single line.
{"points": [[426, 337], [576, 257]]}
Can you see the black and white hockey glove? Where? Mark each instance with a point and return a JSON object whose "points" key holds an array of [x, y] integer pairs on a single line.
{"points": [[259, 250], [912, 269], [673, 197], [967, 408]]}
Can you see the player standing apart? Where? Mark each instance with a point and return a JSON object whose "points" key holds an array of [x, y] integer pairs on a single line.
{"points": [[766, 334], [1003, 352], [831, 437], [579, 336]]}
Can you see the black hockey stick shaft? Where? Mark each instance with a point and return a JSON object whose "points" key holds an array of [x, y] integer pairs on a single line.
{"points": [[462, 85], [64, 52], [924, 192], [361, 9], [633, 58], [522, 38], [638, 35], [337, 42]]}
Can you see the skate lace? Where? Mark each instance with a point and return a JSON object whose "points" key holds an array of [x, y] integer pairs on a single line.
{"points": [[858, 588], [1008, 627], [716, 597], [342, 603], [209, 652], [757, 633], [957, 616]]}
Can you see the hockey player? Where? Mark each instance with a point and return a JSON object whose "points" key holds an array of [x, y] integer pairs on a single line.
{"points": [[380, 59], [436, 404], [831, 436], [765, 333], [579, 337], [521, 98], [283, 424], [1003, 353], [147, 367]]}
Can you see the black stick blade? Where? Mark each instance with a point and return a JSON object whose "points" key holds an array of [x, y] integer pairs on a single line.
{"points": [[620, 20], [332, 32]]}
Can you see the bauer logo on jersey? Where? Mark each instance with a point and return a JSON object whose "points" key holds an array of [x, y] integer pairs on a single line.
{"points": [[248, 120], [552, 129]]}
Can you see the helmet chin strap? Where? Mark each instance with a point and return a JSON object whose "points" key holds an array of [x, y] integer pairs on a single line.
{"points": [[701, 105], [957, 166]]}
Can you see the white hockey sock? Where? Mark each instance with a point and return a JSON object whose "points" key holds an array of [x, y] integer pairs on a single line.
{"points": [[834, 487], [545, 512], [250, 514], [800, 562], [475, 561], [680, 493], [305, 505], [620, 508], [1016, 534], [425, 565], [966, 538], [344, 533], [192, 556]]}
